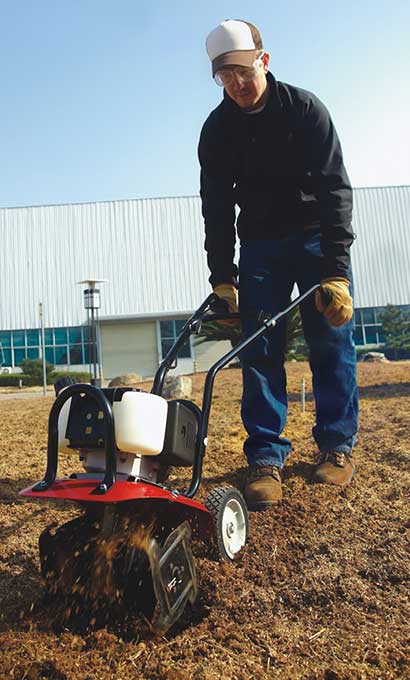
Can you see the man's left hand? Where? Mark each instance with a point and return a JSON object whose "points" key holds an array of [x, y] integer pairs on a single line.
{"points": [[333, 300]]}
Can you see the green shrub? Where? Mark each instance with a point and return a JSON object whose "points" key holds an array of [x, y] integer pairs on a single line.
{"points": [[12, 379], [32, 380]]}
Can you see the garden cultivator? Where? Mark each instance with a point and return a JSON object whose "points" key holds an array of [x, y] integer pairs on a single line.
{"points": [[130, 549]]}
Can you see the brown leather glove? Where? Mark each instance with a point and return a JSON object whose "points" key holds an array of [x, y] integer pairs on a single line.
{"points": [[333, 300], [228, 292]]}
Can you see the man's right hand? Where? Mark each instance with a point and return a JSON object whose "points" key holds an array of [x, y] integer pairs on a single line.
{"points": [[228, 292]]}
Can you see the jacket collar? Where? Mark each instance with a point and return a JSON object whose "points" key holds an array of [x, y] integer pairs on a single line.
{"points": [[274, 102]]}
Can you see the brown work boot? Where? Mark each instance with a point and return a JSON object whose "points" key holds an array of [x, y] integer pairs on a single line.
{"points": [[263, 487], [335, 468]]}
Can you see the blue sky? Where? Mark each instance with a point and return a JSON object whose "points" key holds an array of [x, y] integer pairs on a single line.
{"points": [[105, 100]]}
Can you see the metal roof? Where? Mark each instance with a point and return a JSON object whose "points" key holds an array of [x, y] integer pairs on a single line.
{"points": [[151, 251]]}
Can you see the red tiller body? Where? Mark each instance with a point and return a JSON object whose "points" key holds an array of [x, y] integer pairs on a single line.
{"points": [[81, 490]]}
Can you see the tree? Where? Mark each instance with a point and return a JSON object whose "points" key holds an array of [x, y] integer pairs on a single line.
{"points": [[34, 369], [396, 328]]}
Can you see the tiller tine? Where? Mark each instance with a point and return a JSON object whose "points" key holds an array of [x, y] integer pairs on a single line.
{"points": [[174, 577], [123, 572]]}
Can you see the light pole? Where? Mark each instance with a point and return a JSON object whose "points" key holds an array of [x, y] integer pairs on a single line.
{"points": [[92, 303], [43, 347]]}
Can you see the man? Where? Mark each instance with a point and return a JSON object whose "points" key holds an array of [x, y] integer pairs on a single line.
{"points": [[272, 149]]}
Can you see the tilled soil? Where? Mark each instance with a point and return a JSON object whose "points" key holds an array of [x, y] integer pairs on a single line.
{"points": [[320, 591]]}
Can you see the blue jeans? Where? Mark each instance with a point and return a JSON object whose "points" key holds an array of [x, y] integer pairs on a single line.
{"points": [[268, 270]]}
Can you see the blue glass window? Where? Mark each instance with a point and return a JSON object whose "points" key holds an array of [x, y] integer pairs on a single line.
{"points": [[371, 335], [5, 356], [166, 346], [62, 346], [49, 336], [86, 334], [61, 354], [170, 330], [167, 329], [74, 335], [5, 339], [87, 354], [19, 339], [358, 317], [368, 316], [381, 335], [358, 335], [33, 338], [179, 326], [50, 355], [76, 355], [60, 336], [369, 330], [19, 356]]}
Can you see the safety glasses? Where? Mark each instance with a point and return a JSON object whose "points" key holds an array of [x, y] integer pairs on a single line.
{"points": [[226, 76]]}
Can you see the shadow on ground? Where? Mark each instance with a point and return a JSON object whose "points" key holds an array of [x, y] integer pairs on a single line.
{"points": [[381, 391], [385, 391], [301, 469]]}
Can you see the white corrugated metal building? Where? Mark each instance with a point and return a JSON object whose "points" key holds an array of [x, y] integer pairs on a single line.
{"points": [[151, 252]]}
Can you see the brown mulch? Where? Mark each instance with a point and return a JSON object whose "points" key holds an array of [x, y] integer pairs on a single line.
{"points": [[321, 591]]}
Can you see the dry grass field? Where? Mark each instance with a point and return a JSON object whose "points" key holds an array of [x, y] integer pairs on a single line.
{"points": [[321, 591]]}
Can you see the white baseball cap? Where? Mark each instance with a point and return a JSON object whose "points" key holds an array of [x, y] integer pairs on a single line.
{"points": [[233, 43]]}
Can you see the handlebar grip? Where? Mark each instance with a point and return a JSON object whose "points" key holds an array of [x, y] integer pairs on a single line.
{"points": [[219, 306], [326, 297]]}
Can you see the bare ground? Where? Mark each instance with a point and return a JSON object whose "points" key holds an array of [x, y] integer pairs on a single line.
{"points": [[321, 591]]}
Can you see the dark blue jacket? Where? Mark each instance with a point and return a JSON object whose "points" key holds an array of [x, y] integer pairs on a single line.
{"points": [[284, 168]]}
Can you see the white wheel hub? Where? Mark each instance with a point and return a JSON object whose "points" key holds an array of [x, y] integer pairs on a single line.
{"points": [[233, 527]]}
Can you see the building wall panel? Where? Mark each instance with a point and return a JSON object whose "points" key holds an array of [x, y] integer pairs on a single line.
{"points": [[381, 252], [129, 348], [207, 353], [151, 252]]}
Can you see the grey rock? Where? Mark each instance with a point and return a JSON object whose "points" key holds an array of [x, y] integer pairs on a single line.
{"points": [[177, 387]]}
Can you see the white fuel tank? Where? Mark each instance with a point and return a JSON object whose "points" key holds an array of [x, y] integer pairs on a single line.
{"points": [[140, 421], [62, 428]]}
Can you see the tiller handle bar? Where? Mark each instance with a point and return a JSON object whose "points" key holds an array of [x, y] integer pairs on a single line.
{"points": [[109, 438], [204, 314]]}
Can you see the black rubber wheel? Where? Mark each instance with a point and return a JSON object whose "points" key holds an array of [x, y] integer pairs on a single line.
{"points": [[227, 506]]}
